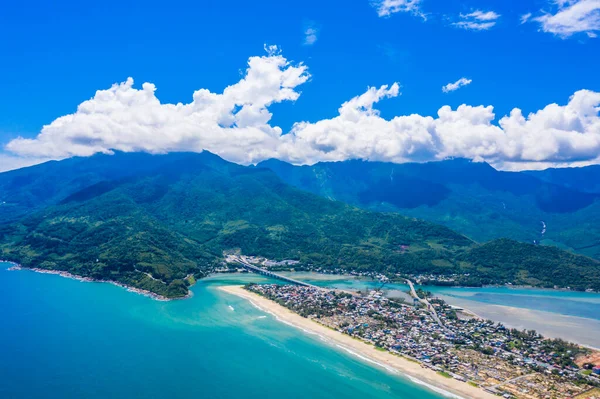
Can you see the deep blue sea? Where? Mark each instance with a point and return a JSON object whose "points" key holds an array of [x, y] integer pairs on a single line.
{"points": [[61, 338]]}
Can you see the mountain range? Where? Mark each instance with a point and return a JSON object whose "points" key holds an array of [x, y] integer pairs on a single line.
{"points": [[558, 207], [154, 221]]}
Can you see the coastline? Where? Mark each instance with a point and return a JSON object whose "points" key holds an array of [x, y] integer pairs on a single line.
{"points": [[579, 330], [552, 325], [513, 286], [397, 364], [72, 276]]}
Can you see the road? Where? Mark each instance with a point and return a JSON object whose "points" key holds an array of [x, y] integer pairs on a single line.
{"points": [[244, 262], [511, 380], [429, 307]]}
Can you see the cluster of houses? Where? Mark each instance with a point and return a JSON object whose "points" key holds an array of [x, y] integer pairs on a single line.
{"points": [[436, 278], [503, 361]]}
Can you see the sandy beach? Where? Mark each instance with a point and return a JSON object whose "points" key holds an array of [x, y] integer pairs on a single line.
{"points": [[391, 362]]}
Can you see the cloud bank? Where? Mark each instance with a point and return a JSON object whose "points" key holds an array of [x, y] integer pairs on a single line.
{"points": [[571, 17], [235, 125]]}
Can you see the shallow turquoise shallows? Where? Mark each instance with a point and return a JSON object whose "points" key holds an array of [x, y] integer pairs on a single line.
{"points": [[60, 338]]}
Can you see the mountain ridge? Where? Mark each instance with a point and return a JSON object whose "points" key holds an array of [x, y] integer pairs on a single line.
{"points": [[470, 197], [152, 226]]}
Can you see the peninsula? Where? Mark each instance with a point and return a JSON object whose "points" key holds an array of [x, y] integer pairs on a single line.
{"points": [[466, 357]]}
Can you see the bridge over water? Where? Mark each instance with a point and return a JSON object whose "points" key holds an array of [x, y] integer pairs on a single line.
{"points": [[268, 273]]}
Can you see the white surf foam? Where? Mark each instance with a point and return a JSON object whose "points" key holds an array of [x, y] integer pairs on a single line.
{"points": [[363, 358]]}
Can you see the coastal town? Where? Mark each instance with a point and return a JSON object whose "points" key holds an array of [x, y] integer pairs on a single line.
{"points": [[501, 361], [465, 279]]}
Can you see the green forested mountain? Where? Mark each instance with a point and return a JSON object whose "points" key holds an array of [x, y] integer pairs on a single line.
{"points": [[585, 179], [166, 217], [470, 198], [25, 190]]}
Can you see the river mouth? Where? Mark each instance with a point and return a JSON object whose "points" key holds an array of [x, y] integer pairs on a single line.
{"points": [[570, 315], [67, 339]]}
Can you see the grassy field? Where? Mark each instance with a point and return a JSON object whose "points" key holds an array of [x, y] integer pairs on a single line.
{"points": [[592, 393]]}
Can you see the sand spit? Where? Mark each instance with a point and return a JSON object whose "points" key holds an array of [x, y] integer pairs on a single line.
{"points": [[391, 362]]}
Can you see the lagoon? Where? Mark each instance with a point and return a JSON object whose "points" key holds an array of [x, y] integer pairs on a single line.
{"points": [[62, 338], [574, 316], [571, 315]]}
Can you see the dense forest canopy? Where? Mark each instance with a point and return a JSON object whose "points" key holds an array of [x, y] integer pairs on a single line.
{"points": [[171, 216], [558, 207]]}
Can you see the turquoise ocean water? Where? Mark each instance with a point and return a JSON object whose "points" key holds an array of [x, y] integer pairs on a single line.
{"points": [[61, 338]]}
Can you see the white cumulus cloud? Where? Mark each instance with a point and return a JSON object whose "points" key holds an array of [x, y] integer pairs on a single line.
{"points": [[235, 124], [456, 85], [477, 20], [555, 135], [10, 162], [570, 17], [386, 8], [310, 35]]}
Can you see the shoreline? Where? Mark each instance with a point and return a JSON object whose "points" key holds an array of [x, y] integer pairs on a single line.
{"points": [[466, 307], [366, 278], [139, 291], [508, 286], [515, 287], [551, 325], [412, 370]]}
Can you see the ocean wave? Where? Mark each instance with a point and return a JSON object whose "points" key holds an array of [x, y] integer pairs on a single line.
{"points": [[363, 358], [433, 388], [395, 371], [276, 317], [368, 360]]}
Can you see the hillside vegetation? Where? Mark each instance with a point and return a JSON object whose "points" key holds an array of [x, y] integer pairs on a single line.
{"points": [[152, 227], [468, 197]]}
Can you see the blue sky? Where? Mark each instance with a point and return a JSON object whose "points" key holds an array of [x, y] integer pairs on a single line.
{"points": [[55, 56]]}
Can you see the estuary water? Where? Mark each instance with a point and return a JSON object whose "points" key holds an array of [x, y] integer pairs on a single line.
{"points": [[570, 315], [61, 338], [574, 316]]}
